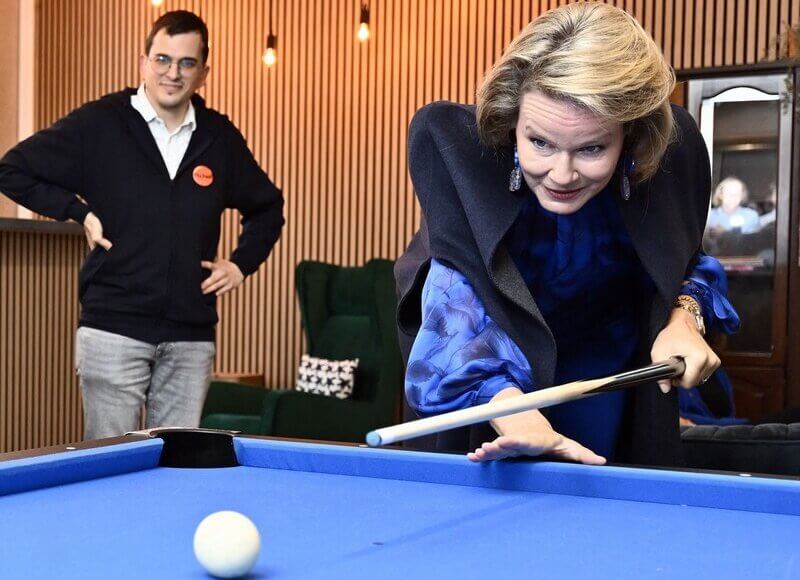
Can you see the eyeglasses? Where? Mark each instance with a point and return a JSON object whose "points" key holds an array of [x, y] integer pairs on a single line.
{"points": [[162, 64]]}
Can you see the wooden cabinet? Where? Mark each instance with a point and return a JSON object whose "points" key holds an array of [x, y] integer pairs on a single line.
{"points": [[748, 121]]}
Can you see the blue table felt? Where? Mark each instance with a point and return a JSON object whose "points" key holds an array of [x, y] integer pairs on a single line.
{"points": [[346, 512]]}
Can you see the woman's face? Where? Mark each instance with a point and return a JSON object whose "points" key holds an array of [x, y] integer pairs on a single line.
{"points": [[566, 153]]}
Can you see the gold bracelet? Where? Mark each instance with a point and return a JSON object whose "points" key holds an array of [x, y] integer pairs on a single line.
{"points": [[691, 306]]}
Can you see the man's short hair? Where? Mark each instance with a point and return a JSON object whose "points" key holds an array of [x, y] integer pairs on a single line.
{"points": [[179, 22]]}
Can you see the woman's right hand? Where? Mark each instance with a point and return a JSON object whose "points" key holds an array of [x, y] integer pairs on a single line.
{"points": [[530, 433]]}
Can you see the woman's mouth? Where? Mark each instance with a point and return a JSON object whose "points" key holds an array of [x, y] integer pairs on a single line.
{"points": [[563, 194]]}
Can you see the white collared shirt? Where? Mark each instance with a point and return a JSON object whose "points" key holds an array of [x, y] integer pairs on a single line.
{"points": [[172, 146]]}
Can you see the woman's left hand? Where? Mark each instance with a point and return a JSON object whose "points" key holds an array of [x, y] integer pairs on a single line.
{"points": [[680, 337]]}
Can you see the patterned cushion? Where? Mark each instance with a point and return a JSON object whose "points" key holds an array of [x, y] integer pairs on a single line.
{"points": [[332, 378]]}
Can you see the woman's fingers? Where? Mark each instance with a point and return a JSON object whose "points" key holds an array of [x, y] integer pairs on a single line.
{"points": [[700, 365], [699, 368], [546, 443], [574, 451]]}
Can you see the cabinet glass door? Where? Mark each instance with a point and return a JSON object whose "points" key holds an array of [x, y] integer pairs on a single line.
{"points": [[746, 124]]}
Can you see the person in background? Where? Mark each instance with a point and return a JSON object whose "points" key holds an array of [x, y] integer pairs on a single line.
{"points": [[148, 172], [728, 212]]}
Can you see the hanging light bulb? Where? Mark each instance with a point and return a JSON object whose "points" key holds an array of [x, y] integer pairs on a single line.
{"points": [[363, 26], [270, 56], [156, 3]]}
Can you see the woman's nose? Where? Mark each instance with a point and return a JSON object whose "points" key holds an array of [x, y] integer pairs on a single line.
{"points": [[563, 172]]}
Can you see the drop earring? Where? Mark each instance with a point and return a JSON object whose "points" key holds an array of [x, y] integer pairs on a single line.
{"points": [[515, 182], [628, 164]]}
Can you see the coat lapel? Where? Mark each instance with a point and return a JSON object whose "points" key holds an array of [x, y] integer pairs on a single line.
{"points": [[662, 242], [481, 179], [491, 216], [665, 216]]}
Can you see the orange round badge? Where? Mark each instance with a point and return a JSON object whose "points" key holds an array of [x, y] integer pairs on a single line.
{"points": [[203, 176]]}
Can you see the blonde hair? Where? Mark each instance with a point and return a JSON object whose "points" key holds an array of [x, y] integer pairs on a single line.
{"points": [[719, 191], [596, 56]]}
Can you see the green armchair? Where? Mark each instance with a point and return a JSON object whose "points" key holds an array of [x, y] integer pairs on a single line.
{"points": [[346, 313]]}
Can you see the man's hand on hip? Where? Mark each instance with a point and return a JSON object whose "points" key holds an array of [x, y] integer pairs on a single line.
{"points": [[94, 232], [225, 276]]}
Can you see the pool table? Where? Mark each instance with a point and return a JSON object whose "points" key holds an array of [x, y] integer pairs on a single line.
{"points": [[128, 508]]}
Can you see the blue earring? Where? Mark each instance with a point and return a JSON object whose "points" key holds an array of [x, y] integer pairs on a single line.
{"points": [[628, 163], [515, 182]]}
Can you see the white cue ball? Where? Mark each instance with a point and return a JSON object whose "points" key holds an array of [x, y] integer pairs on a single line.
{"points": [[227, 544]]}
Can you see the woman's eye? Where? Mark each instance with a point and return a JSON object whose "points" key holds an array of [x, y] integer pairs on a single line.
{"points": [[592, 149], [539, 144]]}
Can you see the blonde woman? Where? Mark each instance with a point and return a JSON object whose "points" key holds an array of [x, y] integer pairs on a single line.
{"points": [[561, 240]]}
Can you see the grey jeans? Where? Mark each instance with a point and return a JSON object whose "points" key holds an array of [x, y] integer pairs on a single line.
{"points": [[118, 375]]}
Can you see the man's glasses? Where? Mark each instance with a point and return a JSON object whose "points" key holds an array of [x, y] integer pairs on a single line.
{"points": [[162, 63]]}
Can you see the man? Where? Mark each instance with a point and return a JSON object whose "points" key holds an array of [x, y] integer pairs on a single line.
{"points": [[148, 173]]}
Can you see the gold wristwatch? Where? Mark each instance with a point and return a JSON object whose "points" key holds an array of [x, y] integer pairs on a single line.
{"points": [[691, 306]]}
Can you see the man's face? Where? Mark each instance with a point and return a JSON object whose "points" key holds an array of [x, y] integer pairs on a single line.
{"points": [[169, 88], [732, 196]]}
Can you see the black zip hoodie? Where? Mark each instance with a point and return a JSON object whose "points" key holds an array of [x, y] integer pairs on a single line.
{"points": [[147, 286]]}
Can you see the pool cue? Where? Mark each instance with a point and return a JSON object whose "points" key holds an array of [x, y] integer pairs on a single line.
{"points": [[536, 400]]}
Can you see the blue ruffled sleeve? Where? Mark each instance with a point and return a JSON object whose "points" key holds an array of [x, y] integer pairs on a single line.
{"points": [[460, 357], [708, 284]]}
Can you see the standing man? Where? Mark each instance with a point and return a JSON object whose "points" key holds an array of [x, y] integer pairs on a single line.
{"points": [[154, 169]]}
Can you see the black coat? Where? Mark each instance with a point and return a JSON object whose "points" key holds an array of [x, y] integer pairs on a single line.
{"points": [[467, 209]]}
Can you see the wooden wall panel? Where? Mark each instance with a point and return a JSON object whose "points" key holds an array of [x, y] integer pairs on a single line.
{"points": [[39, 400], [328, 122], [9, 96]]}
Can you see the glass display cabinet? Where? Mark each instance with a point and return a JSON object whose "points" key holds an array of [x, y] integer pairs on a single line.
{"points": [[747, 122]]}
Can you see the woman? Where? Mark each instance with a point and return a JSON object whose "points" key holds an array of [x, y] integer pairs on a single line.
{"points": [[561, 240]]}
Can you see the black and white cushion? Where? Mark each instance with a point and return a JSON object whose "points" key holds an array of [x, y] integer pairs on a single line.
{"points": [[331, 378]]}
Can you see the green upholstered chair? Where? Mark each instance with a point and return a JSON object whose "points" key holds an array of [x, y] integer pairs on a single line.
{"points": [[346, 313]]}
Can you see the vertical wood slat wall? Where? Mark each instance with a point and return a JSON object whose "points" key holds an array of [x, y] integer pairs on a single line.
{"points": [[9, 96], [39, 403], [328, 123]]}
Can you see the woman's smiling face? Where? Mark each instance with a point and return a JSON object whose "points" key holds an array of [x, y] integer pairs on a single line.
{"points": [[567, 154]]}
